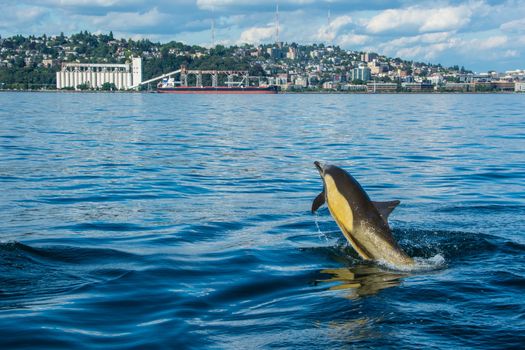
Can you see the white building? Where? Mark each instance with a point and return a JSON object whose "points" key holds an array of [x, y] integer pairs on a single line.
{"points": [[94, 75], [136, 66], [351, 87], [301, 81], [519, 87], [360, 73], [436, 79], [292, 53], [329, 85]]}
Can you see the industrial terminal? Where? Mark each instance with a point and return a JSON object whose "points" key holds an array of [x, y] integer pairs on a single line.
{"points": [[94, 75]]}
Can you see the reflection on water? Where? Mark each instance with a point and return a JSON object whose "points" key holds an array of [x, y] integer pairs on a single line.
{"points": [[362, 280], [352, 330]]}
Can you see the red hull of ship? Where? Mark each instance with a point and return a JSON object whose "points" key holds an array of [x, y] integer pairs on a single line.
{"points": [[218, 90]]}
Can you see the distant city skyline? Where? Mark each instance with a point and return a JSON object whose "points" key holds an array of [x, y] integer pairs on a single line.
{"points": [[480, 35]]}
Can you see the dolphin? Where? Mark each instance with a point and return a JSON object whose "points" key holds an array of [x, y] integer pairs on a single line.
{"points": [[364, 223]]}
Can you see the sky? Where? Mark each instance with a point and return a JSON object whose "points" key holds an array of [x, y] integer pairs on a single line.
{"points": [[480, 35]]}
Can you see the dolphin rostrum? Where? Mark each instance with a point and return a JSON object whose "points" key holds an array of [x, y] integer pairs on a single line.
{"points": [[364, 223]]}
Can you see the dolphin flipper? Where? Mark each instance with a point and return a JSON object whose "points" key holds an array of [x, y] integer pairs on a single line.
{"points": [[318, 201], [385, 208]]}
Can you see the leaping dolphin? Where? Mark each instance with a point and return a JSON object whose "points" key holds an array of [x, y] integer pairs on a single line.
{"points": [[364, 223]]}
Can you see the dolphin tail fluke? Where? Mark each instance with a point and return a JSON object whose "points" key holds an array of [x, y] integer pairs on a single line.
{"points": [[385, 208], [318, 201]]}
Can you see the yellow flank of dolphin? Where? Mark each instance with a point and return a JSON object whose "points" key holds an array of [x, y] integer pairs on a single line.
{"points": [[342, 212]]}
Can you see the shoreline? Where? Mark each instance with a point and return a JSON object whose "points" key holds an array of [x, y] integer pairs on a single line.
{"points": [[288, 92]]}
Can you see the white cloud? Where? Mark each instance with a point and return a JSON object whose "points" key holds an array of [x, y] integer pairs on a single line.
{"points": [[255, 35], [126, 21], [103, 3], [422, 38], [511, 53], [13, 16], [432, 46], [491, 42], [516, 26], [214, 4], [352, 39], [424, 46], [329, 31], [422, 19], [339, 22], [221, 4], [426, 52]]}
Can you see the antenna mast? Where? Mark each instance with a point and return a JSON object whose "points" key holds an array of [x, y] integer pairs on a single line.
{"points": [[277, 23], [213, 32], [329, 39], [212, 27]]}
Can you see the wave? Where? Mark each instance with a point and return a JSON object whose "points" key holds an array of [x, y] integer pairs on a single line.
{"points": [[31, 275], [451, 245]]}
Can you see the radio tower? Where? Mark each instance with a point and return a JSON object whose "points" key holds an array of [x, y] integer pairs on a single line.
{"points": [[277, 23], [212, 28], [213, 32], [329, 40]]}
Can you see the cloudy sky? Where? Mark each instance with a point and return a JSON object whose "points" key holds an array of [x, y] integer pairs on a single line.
{"points": [[478, 34]]}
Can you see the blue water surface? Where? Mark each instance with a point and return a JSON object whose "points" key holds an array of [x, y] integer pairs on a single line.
{"points": [[149, 221]]}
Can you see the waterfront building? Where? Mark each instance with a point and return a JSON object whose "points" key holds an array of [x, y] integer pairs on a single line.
{"points": [[504, 85], [301, 81], [360, 73], [436, 79], [280, 80], [381, 87], [136, 67], [417, 87], [355, 88], [329, 85], [460, 87], [495, 85], [519, 87], [94, 75]]}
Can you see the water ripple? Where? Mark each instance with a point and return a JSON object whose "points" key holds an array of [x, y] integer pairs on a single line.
{"points": [[150, 221]]}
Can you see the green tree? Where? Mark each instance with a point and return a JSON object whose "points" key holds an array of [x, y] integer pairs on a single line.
{"points": [[108, 87]]}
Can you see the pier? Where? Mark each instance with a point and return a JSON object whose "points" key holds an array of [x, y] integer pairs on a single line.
{"points": [[233, 78]]}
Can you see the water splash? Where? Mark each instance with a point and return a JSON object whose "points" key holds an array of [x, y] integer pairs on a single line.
{"points": [[435, 262], [321, 234]]}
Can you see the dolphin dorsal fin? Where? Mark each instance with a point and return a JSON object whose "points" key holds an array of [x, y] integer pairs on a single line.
{"points": [[385, 208], [318, 201]]}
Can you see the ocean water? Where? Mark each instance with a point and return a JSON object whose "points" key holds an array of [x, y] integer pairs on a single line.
{"points": [[146, 221]]}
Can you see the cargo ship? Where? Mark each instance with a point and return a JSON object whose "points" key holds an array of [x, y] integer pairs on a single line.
{"points": [[169, 86]]}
